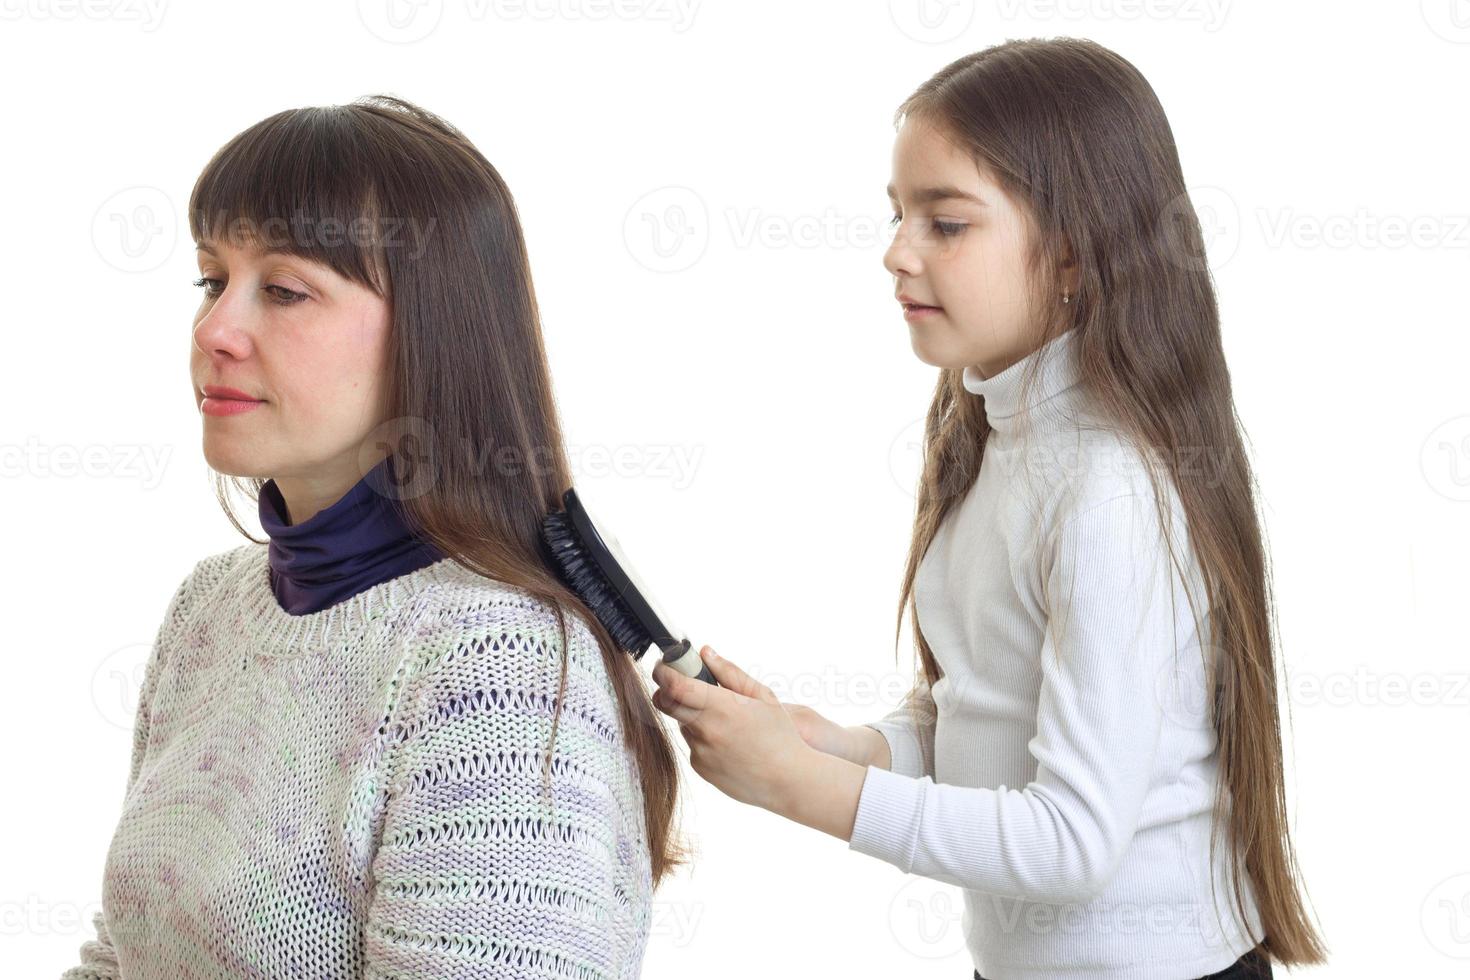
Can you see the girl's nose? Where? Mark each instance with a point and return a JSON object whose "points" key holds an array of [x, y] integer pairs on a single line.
{"points": [[901, 258]]}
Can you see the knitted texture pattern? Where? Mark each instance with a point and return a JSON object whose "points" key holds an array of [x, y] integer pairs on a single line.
{"points": [[358, 792]]}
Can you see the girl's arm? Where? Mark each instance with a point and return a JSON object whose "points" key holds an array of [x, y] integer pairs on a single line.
{"points": [[1111, 641], [903, 740]]}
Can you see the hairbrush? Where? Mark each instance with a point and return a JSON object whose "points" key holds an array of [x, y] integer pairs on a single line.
{"points": [[593, 566]]}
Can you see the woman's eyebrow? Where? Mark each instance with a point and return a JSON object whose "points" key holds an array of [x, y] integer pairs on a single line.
{"points": [[928, 195], [256, 251]]}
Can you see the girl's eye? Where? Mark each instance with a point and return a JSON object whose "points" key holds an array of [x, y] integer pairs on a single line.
{"points": [[949, 228], [894, 220], [281, 297]]}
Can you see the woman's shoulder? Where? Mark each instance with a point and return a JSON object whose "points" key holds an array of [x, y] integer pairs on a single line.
{"points": [[505, 627], [205, 574]]}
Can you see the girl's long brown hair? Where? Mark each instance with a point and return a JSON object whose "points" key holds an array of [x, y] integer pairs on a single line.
{"points": [[393, 197], [1078, 139]]}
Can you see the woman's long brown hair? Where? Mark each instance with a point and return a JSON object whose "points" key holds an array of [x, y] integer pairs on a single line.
{"points": [[393, 197], [1077, 137]]}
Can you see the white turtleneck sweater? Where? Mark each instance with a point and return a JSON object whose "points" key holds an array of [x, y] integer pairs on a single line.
{"points": [[1062, 770]]}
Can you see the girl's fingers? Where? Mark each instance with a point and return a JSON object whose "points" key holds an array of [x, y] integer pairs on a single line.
{"points": [[732, 678], [671, 707]]}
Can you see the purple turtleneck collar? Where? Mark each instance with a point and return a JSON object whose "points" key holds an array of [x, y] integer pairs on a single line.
{"points": [[356, 543]]}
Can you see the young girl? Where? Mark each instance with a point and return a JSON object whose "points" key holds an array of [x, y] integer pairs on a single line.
{"points": [[350, 756], [1092, 750]]}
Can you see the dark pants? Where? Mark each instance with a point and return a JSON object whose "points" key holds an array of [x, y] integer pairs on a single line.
{"points": [[1252, 966]]}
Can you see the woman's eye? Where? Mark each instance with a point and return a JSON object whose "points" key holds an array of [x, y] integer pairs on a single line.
{"points": [[949, 228], [894, 220], [279, 295], [284, 296]]}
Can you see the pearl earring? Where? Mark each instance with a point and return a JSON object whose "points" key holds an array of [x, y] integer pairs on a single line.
{"points": [[1066, 297]]}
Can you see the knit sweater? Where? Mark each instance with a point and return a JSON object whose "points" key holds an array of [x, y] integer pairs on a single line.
{"points": [[357, 792], [1061, 771]]}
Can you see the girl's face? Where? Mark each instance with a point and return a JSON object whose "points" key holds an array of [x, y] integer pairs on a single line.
{"points": [[959, 253], [311, 347]]}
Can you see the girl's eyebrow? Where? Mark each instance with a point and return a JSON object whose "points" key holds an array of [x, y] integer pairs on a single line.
{"points": [[928, 195]]}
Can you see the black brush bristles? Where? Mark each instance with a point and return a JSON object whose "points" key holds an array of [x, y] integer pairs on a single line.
{"points": [[583, 577]]}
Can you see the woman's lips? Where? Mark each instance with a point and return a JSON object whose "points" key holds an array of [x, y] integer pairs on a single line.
{"points": [[227, 406]]}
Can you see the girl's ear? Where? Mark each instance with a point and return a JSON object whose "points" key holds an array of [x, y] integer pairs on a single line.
{"points": [[1069, 274]]}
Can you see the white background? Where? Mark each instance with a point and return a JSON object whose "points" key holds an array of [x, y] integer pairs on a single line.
{"points": [[759, 384]]}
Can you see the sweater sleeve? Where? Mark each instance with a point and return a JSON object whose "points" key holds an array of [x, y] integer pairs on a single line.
{"points": [[98, 958], [1107, 585], [477, 874], [909, 730]]}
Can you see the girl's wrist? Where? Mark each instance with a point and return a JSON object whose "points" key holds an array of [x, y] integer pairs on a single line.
{"points": [[869, 747]]}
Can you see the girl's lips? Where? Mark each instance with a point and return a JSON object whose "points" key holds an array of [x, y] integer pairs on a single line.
{"points": [[913, 311]]}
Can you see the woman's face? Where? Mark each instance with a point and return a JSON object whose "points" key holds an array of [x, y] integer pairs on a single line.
{"points": [[311, 347], [959, 251]]}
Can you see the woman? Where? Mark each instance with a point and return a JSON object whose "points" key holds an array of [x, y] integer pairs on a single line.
{"points": [[375, 745]]}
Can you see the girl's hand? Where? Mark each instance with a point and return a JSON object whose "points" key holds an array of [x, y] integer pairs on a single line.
{"points": [[826, 735], [741, 738]]}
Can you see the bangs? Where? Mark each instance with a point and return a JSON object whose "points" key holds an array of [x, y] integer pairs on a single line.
{"points": [[296, 183]]}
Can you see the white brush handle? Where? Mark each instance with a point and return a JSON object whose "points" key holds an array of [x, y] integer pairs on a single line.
{"points": [[689, 664]]}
